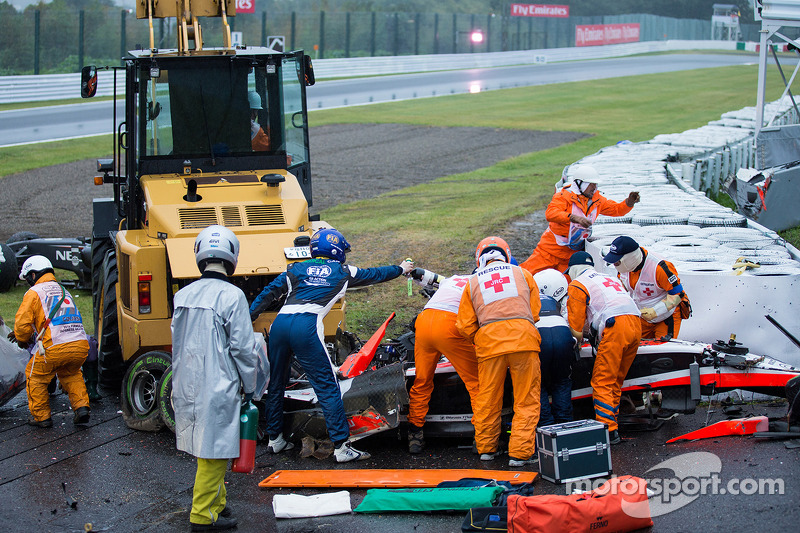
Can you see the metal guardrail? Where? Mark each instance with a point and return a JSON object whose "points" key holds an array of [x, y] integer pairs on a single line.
{"points": [[61, 86]]}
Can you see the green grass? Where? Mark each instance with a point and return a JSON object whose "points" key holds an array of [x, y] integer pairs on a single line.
{"points": [[14, 159], [49, 103], [439, 223]]}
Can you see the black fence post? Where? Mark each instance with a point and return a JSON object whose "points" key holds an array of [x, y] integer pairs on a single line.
{"points": [[81, 17], [489, 32], [396, 44], [347, 34], [36, 42], [294, 24], [416, 33], [372, 37], [123, 44], [455, 33], [321, 34], [436, 33], [471, 29], [263, 28]]}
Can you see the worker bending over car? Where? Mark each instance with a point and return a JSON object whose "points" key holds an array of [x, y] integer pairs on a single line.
{"points": [[498, 312], [309, 290], [571, 213], [558, 348], [654, 285], [49, 325], [435, 335], [614, 321]]}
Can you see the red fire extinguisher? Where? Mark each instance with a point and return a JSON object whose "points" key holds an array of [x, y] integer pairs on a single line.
{"points": [[248, 434]]}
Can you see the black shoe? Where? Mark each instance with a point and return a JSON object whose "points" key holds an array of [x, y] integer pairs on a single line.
{"points": [[226, 513], [416, 440], [222, 523], [613, 437], [81, 416], [46, 423]]}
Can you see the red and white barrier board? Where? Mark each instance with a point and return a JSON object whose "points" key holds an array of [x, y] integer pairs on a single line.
{"points": [[539, 10], [597, 34]]}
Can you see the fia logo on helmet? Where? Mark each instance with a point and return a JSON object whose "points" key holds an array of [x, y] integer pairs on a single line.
{"points": [[331, 238]]}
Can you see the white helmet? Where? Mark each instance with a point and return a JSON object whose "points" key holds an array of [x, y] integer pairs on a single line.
{"points": [[217, 243], [551, 283], [254, 99], [585, 173], [32, 265]]}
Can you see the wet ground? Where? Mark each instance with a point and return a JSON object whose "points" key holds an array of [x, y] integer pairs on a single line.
{"points": [[120, 480]]}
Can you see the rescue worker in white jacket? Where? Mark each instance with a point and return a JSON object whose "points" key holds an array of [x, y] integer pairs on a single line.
{"points": [[654, 285], [213, 363]]}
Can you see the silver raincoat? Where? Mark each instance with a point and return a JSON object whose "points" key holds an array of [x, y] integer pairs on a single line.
{"points": [[213, 354]]}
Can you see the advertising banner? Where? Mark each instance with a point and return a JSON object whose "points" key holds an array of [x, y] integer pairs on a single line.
{"points": [[597, 34], [245, 6], [539, 10]]}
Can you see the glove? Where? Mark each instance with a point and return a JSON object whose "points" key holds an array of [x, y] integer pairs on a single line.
{"points": [[648, 313], [407, 267], [417, 273], [633, 198], [248, 396], [11, 336], [582, 221], [254, 315]]}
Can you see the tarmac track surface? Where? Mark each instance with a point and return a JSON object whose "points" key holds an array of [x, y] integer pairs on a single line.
{"points": [[122, 480]]}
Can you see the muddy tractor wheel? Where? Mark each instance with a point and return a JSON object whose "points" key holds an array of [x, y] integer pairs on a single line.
{"points": [[109, 354], [9, 269], [139, 396], [165, 409], [100, 248]]}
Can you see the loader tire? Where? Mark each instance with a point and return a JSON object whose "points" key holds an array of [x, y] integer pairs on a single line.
{"points": [[164, 390], [139, 395], [9, 269], [100, 248], [110, 364]]}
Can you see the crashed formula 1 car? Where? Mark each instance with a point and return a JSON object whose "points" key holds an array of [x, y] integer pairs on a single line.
{"points": [[375, 381]]}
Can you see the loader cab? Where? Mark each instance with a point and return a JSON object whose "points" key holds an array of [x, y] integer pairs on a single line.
{"points": [[202, 113]]}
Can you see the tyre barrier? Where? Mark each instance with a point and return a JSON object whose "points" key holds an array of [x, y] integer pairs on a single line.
{"points": [[689, 243], [675, 231], [606, 240], [743, 248], [654, 220], [707, 267], [707, 219], [623, 228], [773, 270], [604, 219]]}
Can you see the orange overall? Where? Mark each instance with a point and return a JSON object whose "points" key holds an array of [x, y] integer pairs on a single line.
{"points": [[652, 282], [603, 301], [436, 335], [497, 313], [61, 359], [553, 250]]}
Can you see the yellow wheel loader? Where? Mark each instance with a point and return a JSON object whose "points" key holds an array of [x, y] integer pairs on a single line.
{"points": [[210, 136]]}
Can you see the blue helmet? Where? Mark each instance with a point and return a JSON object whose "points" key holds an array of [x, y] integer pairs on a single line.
{"points": [[329, 243]]}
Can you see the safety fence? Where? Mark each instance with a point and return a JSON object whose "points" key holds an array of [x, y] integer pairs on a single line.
{"points": [[55, 39], [59, 86]]}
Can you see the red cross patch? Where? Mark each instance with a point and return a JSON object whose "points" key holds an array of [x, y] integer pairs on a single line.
{"points": [[648, 291], [496, 282]]}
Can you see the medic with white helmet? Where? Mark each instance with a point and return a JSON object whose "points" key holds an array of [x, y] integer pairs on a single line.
{"points": [[654, 284], [498, 312], [435, 335], [613, 317], [308, 290], [571, 213], [50, 325]]}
